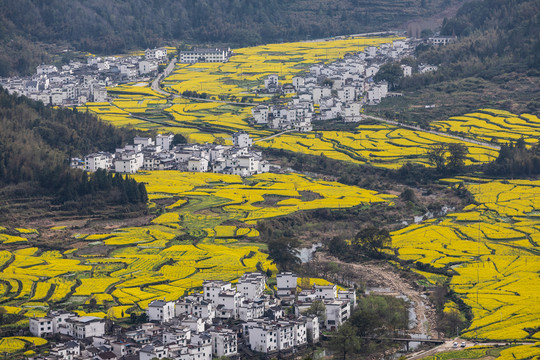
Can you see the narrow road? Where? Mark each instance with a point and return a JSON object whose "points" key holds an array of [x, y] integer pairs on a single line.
{"points": [[440, 133], [167, 72], [382, 275], [273, 136]]}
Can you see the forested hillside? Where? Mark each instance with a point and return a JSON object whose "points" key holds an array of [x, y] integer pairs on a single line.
{"points": [[495, 63], [36, 141], [108, 26]]}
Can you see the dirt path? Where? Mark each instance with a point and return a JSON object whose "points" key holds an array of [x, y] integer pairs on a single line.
{"points": [[380, 274]]}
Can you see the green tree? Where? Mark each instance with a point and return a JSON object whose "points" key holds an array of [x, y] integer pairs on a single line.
{"points": [[345, 342], [371, 241], [284, 252], [318, 309], [179, 139], [437, 156], [390, 72], [458, 155]]}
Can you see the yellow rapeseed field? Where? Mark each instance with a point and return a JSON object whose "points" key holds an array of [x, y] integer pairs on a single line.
{"points": [[492, 254], [378, 145], [177, 251], [493, 125]]}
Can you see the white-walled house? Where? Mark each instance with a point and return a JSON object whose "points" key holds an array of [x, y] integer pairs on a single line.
{"points": [[147, 67], [372, 70], [423, 68], [251, 285], [228, 305], [325, 292], [312, 328], [85, 326], [349, 295], [177, 335], [271, 83], [224, 342], [150, 352], [260, 114], [195, 324], [263, 337], [212, 288], [129, 163], [205, 55], [164, 140], [144, 141], [286, 283], [298, 82], [197, 164], [102, 160], [160, 310], [407, 70], [242, 139], [337, 312]]}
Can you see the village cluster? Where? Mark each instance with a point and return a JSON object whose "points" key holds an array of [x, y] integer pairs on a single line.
{"points": [[334, 91], [223, 320], [147, 154], [77, 83]]}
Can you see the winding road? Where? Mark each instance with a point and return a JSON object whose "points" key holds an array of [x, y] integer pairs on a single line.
{"points": [[440, 133]]}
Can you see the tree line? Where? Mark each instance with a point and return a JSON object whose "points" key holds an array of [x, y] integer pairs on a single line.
{"points": [[516, 159], [115, 26], [375, 316], [37, 141]]}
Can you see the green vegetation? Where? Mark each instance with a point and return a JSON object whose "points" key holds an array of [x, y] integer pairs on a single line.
{"points": [[104, 26], [493, 64], [375, 316], [35, 145]]}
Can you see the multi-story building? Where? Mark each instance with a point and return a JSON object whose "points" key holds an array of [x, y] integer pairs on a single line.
{"points": [[102, 160], [165, 141], [205, 55], [251, 285], [160, 310], [286, 284], [212, 288], [85, 326]]}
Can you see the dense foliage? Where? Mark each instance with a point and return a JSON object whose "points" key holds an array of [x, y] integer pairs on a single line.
{"points": [[375, 317], [496, 37], [115, 26], [493, 64], [36, 142], [516, 159]]}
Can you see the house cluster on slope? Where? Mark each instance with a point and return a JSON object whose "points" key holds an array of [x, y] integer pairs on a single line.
{"points": [[147, 154], [224, 320], [338, 90], [77, 83]]}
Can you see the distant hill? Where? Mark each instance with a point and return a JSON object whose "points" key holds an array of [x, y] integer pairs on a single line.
{"points": [[114, 26], [35, 144], [495, 63]]}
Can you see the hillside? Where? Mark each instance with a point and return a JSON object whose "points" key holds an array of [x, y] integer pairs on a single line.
{"points": [[35, 143], [493, 64], [103, 26]]}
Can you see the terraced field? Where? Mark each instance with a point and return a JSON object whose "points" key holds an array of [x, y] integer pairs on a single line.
{"points": [[378, 145], [493, 125], [246, 70], [491, 254], [206, 232]]}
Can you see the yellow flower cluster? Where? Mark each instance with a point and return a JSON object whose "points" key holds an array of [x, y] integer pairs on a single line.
{"points": [[493, 125], [378, 145], [493, 250]]}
